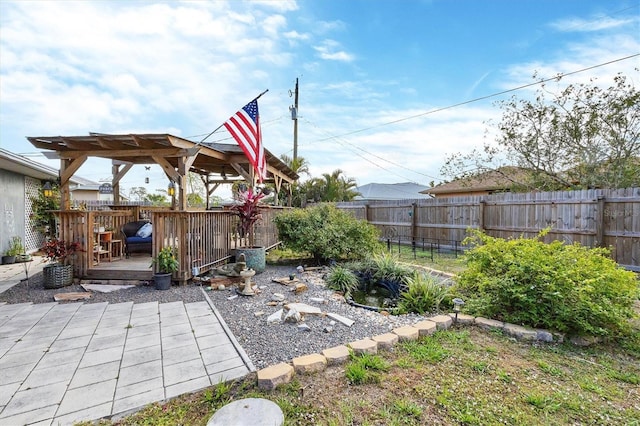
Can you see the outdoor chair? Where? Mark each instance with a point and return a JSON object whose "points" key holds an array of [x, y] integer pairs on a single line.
{"points": [[137, 237]]}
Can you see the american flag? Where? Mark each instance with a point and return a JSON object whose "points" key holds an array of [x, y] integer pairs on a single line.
{"points": [[244, 126]]}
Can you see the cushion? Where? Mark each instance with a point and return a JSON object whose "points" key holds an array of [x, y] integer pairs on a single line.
{"points": [[145, 231], [138, 240]]}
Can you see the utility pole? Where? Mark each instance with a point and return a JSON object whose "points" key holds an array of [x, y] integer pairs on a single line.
{"points": [[294, 117]]}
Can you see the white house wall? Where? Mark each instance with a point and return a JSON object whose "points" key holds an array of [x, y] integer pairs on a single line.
{"points": [[12, 220]]}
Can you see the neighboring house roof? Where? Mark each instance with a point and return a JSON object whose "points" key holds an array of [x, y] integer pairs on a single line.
{"points": [[500, 179], [391, 191], [19, 164]]}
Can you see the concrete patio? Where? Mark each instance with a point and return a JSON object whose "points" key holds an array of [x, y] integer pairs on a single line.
{"points": [[62, 363]]}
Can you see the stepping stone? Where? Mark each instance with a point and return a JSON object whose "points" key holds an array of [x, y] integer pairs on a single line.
{"points": [[336, 355], [426, 327], [488, 324], [407, 333], [58, 297], [248, 412], [386, 340], [364, 346], [463, 319], [105, 288], [307, 364], [443, 322], [271, 377], [520, 333]]}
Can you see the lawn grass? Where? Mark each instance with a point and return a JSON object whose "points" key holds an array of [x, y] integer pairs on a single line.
{"points": [[461, 376], [444, 261]]}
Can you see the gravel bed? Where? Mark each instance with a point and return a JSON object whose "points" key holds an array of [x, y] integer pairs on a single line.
{"points": [[34, 292], [246, 316], [267, 344]]}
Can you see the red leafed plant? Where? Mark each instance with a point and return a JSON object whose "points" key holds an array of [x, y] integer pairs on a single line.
{"points": [[58, 251], [247, 209]]}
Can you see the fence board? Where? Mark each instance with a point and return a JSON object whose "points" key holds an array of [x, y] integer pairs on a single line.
{"points": [[591, 217]]}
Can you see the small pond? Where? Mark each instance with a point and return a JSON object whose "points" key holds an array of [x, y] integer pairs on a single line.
{"points": [[377, 297]]}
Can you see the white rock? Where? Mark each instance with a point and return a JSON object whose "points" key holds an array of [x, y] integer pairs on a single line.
{"points": [[232, 297], [317, 300], [346, 321], [221, 287], [259, 313], [277, 297], [303, 327], [303, 308], [292, 316], [300, 269], [275, 317]]}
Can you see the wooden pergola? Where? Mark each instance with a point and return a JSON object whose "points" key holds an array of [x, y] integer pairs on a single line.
{"points": [[203, 238], [216, 163]]}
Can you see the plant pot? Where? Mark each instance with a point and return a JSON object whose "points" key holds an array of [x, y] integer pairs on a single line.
{"points": [[7, 260], [162, 281], [23, 258], [57, 276], [254, 256]]}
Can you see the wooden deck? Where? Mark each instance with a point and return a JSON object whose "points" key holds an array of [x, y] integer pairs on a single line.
{"points": [[136, 267]]}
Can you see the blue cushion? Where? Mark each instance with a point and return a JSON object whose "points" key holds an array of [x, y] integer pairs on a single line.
{"points": [[145, 230], [138, 240]]}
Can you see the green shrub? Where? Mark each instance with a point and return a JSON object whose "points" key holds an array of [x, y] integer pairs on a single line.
{"points": [[342, 279], [386, 266], [568, 288], [326, 233], [424, 294]]}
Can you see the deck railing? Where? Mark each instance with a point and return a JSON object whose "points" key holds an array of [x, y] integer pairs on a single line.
{"points": [[203, 239]]}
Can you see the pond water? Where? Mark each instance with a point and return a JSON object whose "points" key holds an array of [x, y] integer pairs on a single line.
{"points": [[376, 297]]}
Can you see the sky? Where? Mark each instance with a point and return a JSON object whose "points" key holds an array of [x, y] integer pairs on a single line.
{"points": [[387, 89]]}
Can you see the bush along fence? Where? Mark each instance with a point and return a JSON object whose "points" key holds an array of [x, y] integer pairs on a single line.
{"points": [[592, 217]]}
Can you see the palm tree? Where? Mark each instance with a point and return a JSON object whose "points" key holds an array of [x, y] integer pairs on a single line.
{"points": [[338, 187], [299, 166]]}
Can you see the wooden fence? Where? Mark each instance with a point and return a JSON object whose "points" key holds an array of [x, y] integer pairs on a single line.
{"points": [[593, 218]]}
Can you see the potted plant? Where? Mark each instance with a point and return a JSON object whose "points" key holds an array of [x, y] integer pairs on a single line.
{"points": [[165, 263], [59, 272], [15, 248], [248, 210]]}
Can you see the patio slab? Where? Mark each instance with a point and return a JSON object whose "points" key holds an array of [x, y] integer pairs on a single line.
{"points": [[81, 362]]}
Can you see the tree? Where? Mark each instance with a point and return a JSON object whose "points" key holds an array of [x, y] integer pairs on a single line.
{"points": [[584, 136], [336, 187], [139, 192], [331, 187], [300, 166], [158, 199]]}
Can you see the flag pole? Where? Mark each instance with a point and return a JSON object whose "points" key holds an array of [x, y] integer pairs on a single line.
{"points": [[220, 126]]}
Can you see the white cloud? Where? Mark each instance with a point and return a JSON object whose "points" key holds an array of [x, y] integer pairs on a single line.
{"points": [[330, 50], [584, 25], [294, 35], [279, 5]]}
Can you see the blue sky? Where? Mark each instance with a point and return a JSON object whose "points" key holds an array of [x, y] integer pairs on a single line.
{"points": [[370, 72]]}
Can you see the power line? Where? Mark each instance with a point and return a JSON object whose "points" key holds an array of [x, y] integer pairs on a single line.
{"points": [[433, 111], [344, 142]]}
